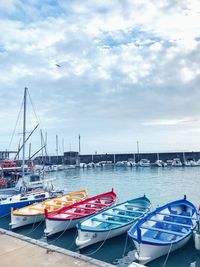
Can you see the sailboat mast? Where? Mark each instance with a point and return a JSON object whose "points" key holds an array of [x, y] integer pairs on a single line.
{"points": [[24, 130]]}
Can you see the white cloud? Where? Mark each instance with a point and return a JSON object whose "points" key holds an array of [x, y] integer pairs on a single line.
{"points": [[124, 64]]}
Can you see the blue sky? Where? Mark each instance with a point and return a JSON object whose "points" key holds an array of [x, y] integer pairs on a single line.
{"points": [[130, 71]]}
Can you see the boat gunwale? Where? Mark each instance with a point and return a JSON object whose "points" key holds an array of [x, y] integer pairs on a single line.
{"points": [[146, 218], [82, 227]]}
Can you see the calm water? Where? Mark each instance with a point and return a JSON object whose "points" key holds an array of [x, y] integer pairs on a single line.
{"points": [[159, 184]]}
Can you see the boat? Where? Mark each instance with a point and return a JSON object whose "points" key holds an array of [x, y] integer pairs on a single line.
{"points": [[144, 163], [111, 222], [22, 200], [121, 164], [164, 230], [35, 212], [67, 217], [177, 162], [26, 182], [160, 163]]}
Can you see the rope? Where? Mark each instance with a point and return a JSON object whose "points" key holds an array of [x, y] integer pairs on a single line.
{"points": [[89, 254], [167, 255], [54, 240], [124, 251]]}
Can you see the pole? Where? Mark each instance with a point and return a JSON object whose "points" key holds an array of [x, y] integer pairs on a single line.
{"points": [[138, 150], [24, 131]]}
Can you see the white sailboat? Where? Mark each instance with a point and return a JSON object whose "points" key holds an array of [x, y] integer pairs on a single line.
{"points": [[25, 183]]}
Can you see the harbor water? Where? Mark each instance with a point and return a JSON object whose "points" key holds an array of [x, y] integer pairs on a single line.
{"points": [[160, 185]]}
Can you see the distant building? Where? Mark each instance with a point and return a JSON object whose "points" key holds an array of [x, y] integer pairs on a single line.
{"points": [[6, 154], [71, 158]]}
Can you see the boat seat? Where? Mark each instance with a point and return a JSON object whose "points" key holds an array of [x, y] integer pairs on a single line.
{"points": [[135, 206], [127, 212], [75, 213], [177, 215], [107, 221], [170, 222], [118, 215], [163, 230], [97, 204]]}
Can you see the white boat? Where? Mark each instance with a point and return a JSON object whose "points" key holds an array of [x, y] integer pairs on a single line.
{"points": [[191, 163], [177, 162], [35, 212], [160, 163], [164, 230], [144, 163], [67, 217], [25, 183], [111, 222], [131, 164]]}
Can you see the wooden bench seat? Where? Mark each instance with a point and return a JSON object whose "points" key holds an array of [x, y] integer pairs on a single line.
{"points": [[162, 230], [107, 221]]}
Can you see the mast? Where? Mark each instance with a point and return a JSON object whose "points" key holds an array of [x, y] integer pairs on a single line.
{"points": [[57, 147], [24, 130]]}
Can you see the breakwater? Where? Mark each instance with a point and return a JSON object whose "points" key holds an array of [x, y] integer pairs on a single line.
{"points": [[73, 157]]}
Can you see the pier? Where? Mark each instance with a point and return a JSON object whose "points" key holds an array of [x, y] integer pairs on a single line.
{"points": [[23, 251]]}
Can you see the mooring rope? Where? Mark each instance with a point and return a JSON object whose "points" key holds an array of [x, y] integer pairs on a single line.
{"points": [[124, 251], [54, 240], [89, 254], [167, 255]]}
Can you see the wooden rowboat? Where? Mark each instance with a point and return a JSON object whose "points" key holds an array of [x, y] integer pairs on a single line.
{"points": [[35, 212], [68, 217]]}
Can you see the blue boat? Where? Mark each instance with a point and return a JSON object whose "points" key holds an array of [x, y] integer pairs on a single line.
{"points": [[164, 230], [22, 200], [111, 222]]}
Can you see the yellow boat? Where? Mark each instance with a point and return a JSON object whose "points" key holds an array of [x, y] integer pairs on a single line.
{"points": [[35, 212]]}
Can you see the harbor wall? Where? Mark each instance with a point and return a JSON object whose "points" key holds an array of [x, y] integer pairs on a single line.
{"points": [[73, 157]]}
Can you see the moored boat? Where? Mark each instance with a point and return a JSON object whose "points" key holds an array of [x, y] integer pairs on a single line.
{"points": [[35, 212], [164, 230], [111, 222], [22, 200], [67, 217]]}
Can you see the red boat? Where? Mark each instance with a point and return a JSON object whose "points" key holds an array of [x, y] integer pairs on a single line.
{"points": [[67, 217]]}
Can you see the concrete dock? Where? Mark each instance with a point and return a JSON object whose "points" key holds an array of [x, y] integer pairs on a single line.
{"points": [[21, 251]]}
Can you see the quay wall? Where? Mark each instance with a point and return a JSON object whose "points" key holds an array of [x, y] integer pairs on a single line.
{"points": [[74, 157]]}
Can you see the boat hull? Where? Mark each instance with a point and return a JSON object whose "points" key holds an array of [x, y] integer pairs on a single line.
{"points": [[5, 209], [87, 238], [19, 221], [56, 226], [148, 252]]}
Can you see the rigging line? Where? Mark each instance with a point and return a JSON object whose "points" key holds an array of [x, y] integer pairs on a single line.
{"points": [[34, 110], [16, 125]]}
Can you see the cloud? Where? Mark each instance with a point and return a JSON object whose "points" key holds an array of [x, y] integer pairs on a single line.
{"points": [[125, 65]]}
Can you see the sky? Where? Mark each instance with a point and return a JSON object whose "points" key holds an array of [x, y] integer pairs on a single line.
{"points": [[115, 72]]}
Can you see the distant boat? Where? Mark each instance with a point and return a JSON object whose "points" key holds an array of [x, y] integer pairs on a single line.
{"points": [[111, 222], [177, 162], [160, 163], [164, 230], [191, 163], [35, 212], [121, 164], [144, 163], [67, 217]]}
